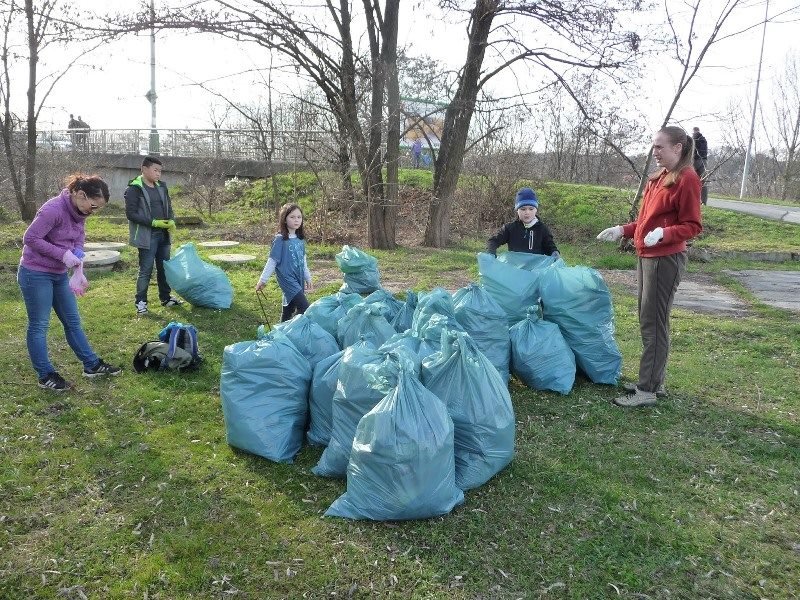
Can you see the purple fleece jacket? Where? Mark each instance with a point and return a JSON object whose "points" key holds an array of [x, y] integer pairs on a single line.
{"points": [[56, 228]]}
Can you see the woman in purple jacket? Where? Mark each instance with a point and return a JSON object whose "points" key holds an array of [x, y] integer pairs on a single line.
{"points": [[53, 243]]}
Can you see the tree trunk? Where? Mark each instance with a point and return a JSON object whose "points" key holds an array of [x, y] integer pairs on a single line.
{"points": [[389, 58], [29, 206], [448, 164], [792, 151]]}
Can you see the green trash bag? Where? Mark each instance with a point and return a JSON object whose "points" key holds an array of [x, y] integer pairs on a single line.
{"points": [[485, 321], [320, 398], [530, 262], [365, 376], [405, 339], [264, 392], [200, 283], [514, 289], [434, 314], [478, 401], [578, 301], [360, 271], [312, 340], [402, 320], [402, 464], [327, 311], [388, 304], [364, 321], [540, 356]]}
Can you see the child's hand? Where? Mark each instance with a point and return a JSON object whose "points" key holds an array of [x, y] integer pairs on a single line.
{"points": [[309, 287], [260, 286]]}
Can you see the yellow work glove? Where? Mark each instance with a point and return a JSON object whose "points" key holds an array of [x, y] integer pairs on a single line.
{"points": [[171, 227], [160, 223]]}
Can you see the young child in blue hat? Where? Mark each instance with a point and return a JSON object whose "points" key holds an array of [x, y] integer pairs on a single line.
{"points": [[527, 233]]}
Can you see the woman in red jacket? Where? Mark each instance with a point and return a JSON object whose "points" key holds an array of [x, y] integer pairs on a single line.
{"points": [[669, 215]]}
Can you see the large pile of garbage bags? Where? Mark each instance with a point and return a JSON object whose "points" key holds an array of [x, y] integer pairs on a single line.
{"points": [[409, 398]]}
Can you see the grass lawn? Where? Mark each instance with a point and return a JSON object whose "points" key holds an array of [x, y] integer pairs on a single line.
{"points": [[126, 488]]}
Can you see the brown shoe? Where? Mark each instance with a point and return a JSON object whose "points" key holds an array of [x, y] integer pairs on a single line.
{"points": [[636, 399], [630, 388]]}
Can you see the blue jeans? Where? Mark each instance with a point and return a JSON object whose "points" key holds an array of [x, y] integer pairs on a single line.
{"points": [[41, 292], [156, 254]]}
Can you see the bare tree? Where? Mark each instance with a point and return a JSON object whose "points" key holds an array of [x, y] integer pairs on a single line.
{"points": [[787, 117], [587, 34], [46, 27]]}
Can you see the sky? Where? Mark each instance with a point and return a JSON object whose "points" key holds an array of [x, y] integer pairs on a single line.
{"points": [[108, 88]]}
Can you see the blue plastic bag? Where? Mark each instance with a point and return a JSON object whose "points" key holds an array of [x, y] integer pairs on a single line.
{"points": [[483, 318], [434, 314], [365, 376], [364, 321], [327, 311], [312, 340], [388, 304], [264, 392], [201, 283], [514, 289], [578, 301], [403, 319], [360, 271], [540, 356], [402, 463], [478, 401], [530, 262]]}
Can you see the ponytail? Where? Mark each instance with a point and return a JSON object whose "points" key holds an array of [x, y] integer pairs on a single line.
{"points": [[92, 185]]}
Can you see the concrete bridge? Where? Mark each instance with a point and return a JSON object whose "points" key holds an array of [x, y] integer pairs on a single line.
{"points": [[190, 153]]}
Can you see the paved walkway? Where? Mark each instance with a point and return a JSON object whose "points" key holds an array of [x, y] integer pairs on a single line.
{"points": [[774, 212]]}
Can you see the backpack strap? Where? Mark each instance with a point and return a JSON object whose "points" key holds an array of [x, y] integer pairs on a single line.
{"points": [[190, 340]]}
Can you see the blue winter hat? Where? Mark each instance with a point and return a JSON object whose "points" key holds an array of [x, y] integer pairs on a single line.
{"points": [[526, 197]]}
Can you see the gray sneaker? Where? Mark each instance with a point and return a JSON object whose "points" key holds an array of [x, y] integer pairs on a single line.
{"points": [[636, 399], [661, 392], [141, 307]]}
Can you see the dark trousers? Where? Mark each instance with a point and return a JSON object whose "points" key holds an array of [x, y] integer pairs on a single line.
{"points": [[298, 303], [156, 254], [700, 169], [658, 280]]}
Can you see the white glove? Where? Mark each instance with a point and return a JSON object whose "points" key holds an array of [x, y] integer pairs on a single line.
{"points": [[655, 236], [612, 234]]}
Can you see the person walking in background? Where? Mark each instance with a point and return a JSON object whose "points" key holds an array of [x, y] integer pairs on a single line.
{"points": [[287, 259], [416, 153], [151, 225], [527, 233], [52, 244], [668, 216], [701, 161], [73, 125], [83, 133]]}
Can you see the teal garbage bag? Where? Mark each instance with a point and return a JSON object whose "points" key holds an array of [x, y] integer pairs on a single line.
{"points": [[514, 289], [478, 401], [406, 340], [365, 376], [484, 319], [402, 320], [312, 340], [320, 399], [540, 356], [264, 391], [578, 301], [327, 311], [434, 314], [360, 271], [364, 321], [530, 262], [402, 463], [200, 283], [388, 304]]}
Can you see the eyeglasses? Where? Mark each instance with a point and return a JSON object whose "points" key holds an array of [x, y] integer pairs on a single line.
{"points": [[92, 206]]}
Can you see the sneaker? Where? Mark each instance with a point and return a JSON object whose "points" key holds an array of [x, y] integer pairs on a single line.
{"points": [[173, 301], [661, 392], [636, 399], [141, 307], [54, 381], [102, 368]]}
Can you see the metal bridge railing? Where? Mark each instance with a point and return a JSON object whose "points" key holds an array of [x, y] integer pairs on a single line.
{"points": [[242, 144]]}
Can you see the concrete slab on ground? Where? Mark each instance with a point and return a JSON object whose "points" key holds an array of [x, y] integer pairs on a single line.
{"points": [[103, 245], [775, 288], [235, 259], [219, 244], [774, 212]]}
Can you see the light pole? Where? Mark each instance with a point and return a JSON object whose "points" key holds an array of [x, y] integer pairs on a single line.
{"points": [[153, 146], [755, 107]]}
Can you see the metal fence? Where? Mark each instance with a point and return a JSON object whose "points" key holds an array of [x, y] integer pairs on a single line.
{"points": [[242, 144]]}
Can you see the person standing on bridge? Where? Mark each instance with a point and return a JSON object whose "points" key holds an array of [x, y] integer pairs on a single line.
{"points": [[151, 224], [668, 216]]}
